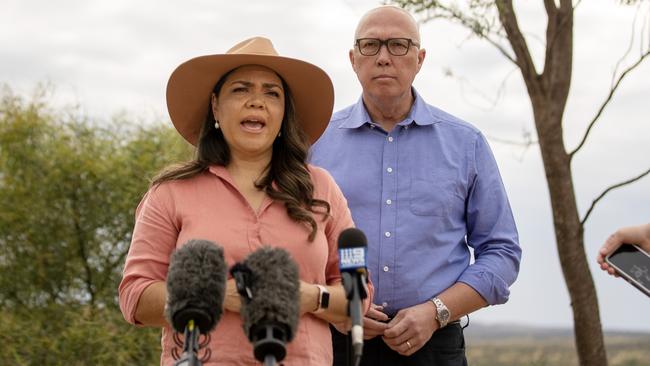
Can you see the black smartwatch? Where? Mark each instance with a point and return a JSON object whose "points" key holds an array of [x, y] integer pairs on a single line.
{"points": [[323, 299]]}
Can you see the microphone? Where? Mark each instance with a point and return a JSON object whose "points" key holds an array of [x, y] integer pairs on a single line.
{"points": [[267, 282], [352, 264], [196, 283]]}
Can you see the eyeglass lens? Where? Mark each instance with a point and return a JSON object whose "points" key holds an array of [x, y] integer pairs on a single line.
{"points": [[395, 46]]}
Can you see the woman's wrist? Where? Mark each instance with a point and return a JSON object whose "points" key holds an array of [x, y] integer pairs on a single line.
{"points": [[308, 297]]}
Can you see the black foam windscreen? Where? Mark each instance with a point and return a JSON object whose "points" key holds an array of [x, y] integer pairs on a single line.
{"points": [[352, 251], [352, 238], [275, 289], [196, 283]]}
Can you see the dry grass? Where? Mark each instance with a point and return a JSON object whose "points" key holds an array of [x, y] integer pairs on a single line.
{"points": [[633, 350]]}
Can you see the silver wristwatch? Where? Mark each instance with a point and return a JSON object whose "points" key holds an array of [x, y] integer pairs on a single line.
{"points": [[443, 313]]}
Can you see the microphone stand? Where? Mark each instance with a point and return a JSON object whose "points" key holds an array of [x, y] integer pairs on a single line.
{"points": [[269, 341], [268, 337], [355, 290], [269, 360], [189, 357]]}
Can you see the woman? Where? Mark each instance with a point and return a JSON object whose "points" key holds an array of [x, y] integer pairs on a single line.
{"points": [[249, 185]]}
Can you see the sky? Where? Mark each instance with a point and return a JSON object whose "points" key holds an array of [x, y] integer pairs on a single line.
{"points": [[110, 57]]}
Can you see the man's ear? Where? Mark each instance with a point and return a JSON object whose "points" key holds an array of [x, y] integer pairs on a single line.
{"points": [[422, 53], [351, 55]]}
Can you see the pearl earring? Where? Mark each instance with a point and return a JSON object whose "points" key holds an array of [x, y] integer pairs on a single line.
{"points": [[216, 124], [279, 134]]}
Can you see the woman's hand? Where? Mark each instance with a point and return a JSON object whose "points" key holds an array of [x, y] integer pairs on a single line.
{"points": [[232, 301], [639, 235]]}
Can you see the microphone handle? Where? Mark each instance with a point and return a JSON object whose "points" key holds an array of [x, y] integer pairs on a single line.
{"points": [[269, 360], [356, 314], [190, 347]]}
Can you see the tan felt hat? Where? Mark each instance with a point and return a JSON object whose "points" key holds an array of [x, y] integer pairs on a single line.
{"points": [[189, 88]]}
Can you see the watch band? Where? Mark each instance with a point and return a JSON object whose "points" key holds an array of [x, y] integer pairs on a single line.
{"points": [[442, 312], [323, 299]]}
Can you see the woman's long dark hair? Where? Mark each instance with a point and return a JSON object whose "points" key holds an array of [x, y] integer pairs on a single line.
{"points": [[287, 169]]}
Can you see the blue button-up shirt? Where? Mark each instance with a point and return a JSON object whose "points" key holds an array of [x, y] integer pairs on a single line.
{"points": [[423, 193]]}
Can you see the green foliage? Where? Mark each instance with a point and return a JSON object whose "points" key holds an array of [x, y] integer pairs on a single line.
{"points": [[68, 191], [58, 335]]}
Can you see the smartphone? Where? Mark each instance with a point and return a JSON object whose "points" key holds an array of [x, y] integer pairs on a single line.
{"points": [[633, 264]]}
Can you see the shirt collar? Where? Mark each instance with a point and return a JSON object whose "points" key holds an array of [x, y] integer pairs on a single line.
{"points": [[419, 114], [221, 172]]}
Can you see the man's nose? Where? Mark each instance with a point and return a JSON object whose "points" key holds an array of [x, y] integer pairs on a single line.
{"points": [[383, 57]]}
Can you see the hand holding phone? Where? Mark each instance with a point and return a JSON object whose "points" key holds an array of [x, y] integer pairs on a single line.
{"points": [[633, 264]]}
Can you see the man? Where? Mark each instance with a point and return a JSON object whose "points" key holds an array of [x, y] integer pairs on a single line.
{"points": [[424, 187]]}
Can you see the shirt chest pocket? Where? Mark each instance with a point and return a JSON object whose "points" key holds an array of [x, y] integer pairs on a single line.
{"points": [[433, 197]]}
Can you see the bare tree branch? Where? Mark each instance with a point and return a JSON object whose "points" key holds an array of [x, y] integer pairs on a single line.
{"points": [[551, 8], [480, 25], [606, 102], [576, 5], [493, 101], [517, 40], [619, 185], [629, 48], [502, 50], [528, 141]]}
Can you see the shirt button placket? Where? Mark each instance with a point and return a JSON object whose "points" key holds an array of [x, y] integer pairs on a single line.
{"points": [[388, 216]]}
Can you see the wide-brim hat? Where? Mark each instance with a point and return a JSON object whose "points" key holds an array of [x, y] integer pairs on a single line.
{"points": [[189, 88]]}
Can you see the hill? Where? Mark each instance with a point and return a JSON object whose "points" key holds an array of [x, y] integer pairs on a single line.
{"points": [[517, 345]]}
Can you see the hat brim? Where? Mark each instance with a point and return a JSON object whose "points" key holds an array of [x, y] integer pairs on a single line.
{"points": [[190, 87]]}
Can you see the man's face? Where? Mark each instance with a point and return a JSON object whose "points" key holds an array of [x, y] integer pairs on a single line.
{"points": [[384, 75]]}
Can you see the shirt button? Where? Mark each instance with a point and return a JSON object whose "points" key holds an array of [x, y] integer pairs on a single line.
{"points": [[389, 202], [387, 234], [390, 138], [384, 304], [372, 126], [389, 169], [385, 268]]}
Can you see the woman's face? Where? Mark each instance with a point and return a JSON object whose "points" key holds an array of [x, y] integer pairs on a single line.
{"points": [[250, 108]]}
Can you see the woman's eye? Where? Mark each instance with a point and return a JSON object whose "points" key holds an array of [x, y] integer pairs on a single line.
{"points": [[239, 90], [274, 94]]}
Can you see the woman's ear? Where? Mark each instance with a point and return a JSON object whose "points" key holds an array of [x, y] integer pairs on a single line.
{"points": [[214, 105]]}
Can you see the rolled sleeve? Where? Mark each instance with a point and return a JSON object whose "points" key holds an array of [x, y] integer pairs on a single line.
{"points": [[491, 230], [154, 239]]}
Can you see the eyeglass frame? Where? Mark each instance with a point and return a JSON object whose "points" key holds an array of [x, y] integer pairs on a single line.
{"points": [[384, 42]]}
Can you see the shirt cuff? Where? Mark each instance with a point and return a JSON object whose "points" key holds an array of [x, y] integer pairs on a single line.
{"points": [[130, 297], [490, 286]]}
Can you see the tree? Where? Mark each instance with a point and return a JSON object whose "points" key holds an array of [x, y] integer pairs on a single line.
{"points": [[495, 21], [68, 191]]}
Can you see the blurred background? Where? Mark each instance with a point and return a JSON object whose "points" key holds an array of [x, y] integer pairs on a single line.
{"points": [[83, 125]]}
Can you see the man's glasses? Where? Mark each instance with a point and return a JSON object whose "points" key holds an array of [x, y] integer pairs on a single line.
{"points": [[395, 46]]}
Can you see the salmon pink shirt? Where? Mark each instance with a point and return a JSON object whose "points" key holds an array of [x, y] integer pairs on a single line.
{"points": [[209, 206]]}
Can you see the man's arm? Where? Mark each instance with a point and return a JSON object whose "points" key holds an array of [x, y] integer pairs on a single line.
{"points": [[417, 324], [491, 231]]}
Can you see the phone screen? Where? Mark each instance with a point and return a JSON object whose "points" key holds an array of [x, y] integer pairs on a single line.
{"points": [[634, 265]]}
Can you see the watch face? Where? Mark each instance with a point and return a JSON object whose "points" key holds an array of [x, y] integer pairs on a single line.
{"points": [[443, 314], [325, 300]]}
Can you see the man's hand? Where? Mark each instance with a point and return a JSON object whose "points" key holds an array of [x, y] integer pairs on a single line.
{"points": [[374, 323], [411, 328]]}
